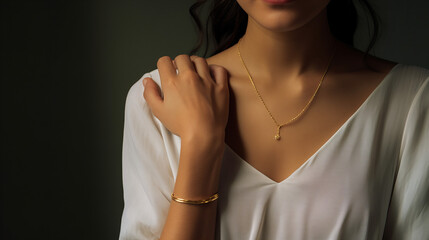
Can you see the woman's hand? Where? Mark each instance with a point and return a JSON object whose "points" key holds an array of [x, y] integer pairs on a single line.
{"points": [[194, 106], [196, 99]]}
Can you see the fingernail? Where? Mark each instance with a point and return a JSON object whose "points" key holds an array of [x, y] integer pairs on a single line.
{"points": [[144, 81]]}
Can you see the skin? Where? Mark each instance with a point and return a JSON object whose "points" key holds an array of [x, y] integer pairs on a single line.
{"points": [[211, 101]]}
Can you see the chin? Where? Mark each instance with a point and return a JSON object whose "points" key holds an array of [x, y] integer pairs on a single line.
{"points": [[283, 18], [279, 22]]}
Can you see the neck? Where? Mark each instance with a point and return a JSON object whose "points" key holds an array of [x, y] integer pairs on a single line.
{"points": [[288, 54]]}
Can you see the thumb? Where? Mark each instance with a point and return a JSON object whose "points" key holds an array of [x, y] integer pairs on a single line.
{"points": [[152, 95]]}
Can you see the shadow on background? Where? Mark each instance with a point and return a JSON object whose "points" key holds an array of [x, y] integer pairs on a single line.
{"points": [[66, 69]]}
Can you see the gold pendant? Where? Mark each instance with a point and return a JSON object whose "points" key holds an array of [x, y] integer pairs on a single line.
{"points": [[277, 136]]}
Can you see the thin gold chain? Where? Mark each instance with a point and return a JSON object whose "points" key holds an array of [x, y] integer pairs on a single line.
{"points": [[277, 136]]}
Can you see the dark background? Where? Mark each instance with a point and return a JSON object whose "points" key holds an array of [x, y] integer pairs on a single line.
{"points": [[65, 72]]}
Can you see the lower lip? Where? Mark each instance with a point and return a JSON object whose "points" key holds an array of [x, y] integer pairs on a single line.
{"points": [[278, 2]]}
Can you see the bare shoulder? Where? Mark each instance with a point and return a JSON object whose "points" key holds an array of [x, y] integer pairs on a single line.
{"points": [[222, 57], [379, 65], [227, 59], [350, 59]]}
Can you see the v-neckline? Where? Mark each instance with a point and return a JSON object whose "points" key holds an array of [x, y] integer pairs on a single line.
{"points": [[324, 145]]}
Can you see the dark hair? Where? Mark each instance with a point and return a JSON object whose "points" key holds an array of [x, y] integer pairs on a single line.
{"points": [[227, 22]]}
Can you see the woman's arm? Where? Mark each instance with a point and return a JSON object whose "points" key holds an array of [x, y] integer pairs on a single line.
{"points": [[195, 107], [185, 221], [408, 216]]}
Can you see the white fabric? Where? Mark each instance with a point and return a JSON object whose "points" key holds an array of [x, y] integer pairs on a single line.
{"points": [[368, 181]]}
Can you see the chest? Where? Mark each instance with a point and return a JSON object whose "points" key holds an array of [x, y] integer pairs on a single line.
{"points": [[253, 122], [340, 192]]}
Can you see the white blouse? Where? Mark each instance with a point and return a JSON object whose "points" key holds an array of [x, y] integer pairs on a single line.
{"points": [[368, 181]]}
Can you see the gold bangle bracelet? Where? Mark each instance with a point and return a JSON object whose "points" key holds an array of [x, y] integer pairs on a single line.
{"points": [[195, 202]]}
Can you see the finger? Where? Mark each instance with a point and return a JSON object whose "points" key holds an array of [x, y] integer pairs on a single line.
{"points": [[166, 69], [202, 68], [220, 75], [184, 63], [152, 95]]}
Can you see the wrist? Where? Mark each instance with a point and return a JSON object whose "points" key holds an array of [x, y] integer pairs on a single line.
{"points": [[211, 141], [199, 167]]}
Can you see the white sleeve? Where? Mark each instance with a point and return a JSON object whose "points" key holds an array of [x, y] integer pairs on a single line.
{"points": [[147, 176], [409, 208]]}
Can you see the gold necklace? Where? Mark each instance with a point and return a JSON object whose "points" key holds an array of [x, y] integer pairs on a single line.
{"points": [[277, 136]]}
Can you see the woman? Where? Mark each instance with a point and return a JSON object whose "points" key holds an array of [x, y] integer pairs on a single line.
{"points": [[287, 132]]}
